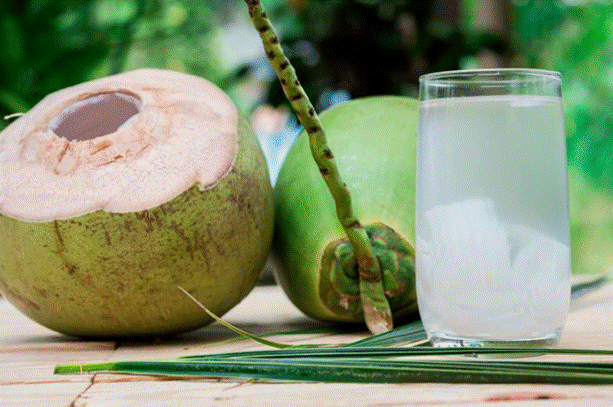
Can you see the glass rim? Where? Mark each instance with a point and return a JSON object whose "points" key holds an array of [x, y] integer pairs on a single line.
{"points": [[493, 74]]}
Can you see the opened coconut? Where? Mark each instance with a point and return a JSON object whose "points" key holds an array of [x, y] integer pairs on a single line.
{"points": [[115, 192]]}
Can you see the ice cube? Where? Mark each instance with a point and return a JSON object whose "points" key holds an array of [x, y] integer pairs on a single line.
{"points": [[468, 259]]}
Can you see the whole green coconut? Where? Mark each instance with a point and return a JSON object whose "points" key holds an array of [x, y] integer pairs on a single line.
{"points": [[115, 192], [374, 144]]}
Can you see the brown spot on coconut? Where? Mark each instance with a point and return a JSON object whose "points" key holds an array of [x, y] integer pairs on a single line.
{"points": [[88, 179]]}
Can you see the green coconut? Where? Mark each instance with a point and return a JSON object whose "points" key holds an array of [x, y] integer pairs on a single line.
{"points": [[116, 192], [374, 145]]}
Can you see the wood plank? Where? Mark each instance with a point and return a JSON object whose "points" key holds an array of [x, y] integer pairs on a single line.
{"points": [[50, 394], [224, 393], [29, 351]]}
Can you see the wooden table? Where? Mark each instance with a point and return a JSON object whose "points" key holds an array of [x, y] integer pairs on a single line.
{"points": [[29, 352]]}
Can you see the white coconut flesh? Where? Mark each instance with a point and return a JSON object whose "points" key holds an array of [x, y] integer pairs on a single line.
{"points": [[123, 143]]}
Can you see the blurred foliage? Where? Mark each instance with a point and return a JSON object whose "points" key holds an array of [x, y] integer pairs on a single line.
{"points": [[360, 47], [576, 39], [591, 228], [373, 47]]}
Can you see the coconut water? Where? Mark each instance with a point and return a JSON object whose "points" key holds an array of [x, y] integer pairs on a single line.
{"points": [[493, 240]]}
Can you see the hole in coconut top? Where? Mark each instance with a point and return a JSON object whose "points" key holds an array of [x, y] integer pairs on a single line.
{"points": [[95, 116]]}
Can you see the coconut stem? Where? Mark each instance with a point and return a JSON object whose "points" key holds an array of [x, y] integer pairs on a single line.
{"points": [[377, 313]]}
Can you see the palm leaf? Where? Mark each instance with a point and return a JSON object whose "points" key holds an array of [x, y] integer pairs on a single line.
{"points": [[579, 289], [369, 365], [376, 360], [413, 333]]}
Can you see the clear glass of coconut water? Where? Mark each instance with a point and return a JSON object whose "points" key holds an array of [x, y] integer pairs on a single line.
{"points": [[492, 225]]}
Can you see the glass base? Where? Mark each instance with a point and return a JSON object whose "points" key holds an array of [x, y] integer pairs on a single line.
{"points": [[548, 341]]}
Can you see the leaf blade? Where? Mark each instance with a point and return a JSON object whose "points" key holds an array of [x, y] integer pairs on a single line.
{"points": [[349, 371]]}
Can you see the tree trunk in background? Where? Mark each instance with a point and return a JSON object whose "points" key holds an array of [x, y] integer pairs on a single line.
{"points": [[487, 16]]}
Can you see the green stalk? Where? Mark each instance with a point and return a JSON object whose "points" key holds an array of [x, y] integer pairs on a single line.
{"points": [[377, 313]]}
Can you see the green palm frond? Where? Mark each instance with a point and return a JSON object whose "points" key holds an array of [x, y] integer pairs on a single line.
{"points": [[378, 359]]}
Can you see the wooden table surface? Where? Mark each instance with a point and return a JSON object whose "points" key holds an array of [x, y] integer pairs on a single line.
{"points": [[29, 352]]}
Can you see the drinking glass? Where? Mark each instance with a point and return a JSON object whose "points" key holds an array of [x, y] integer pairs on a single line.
{"points": [[492, 225]]}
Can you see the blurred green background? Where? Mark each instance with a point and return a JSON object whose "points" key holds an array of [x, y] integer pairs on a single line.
{"points": [[341, 49]]}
